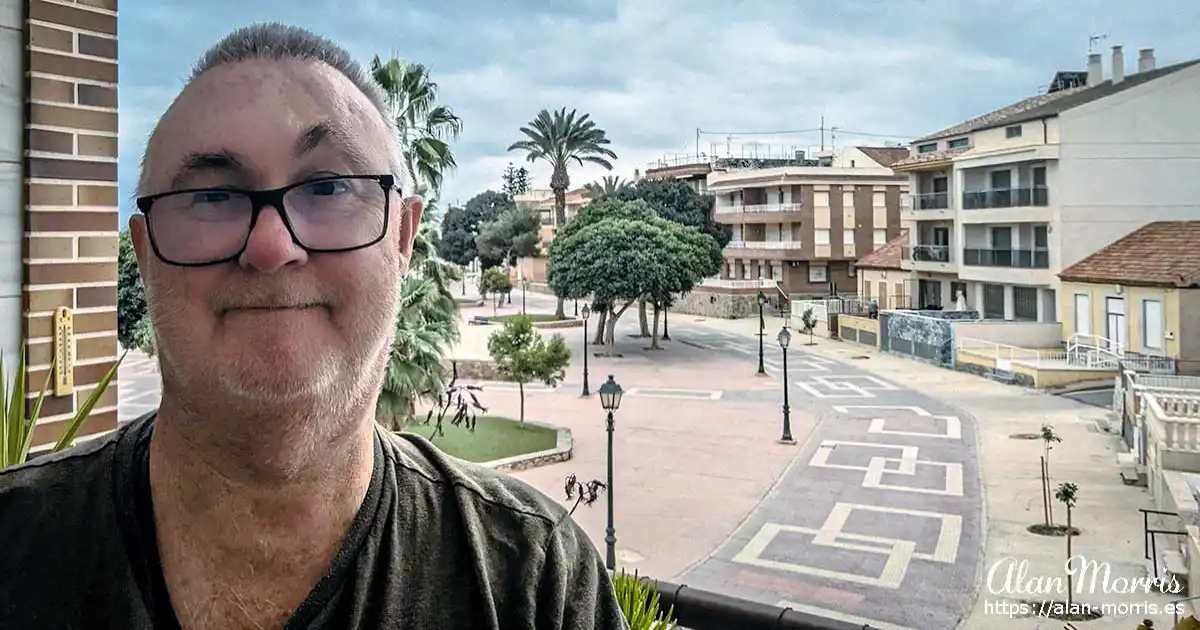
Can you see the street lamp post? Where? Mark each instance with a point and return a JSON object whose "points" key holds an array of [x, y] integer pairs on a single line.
{"points": [[785, 338], [666, 333], [762, 300], [586, 311], [610, 399], [524, 288], [576, 308]]}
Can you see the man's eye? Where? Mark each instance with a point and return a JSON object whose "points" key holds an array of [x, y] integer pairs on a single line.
{"points": [[211, 196], [324, 188]]}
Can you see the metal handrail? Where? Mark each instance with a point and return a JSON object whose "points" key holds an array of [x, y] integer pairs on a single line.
{"points": [[698, 609]]}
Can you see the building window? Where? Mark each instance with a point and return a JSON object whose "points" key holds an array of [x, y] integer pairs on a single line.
{"points": [[847, 237], [867, 295], [817, 274], [851, 270], [1152, 325], [958, 143], [879, 237], [1012, 132], [1025, 303], [993, 301], [781, 196], [821, 237], [927, 148]]}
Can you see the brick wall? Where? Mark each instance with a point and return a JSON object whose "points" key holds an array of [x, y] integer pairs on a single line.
{"points": [[70, 177]]}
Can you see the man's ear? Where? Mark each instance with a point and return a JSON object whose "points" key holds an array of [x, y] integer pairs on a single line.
{"points": [[410, 222], [140, 238]]}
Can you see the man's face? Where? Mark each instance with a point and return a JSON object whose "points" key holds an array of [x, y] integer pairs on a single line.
{"points": [[277, 323]]}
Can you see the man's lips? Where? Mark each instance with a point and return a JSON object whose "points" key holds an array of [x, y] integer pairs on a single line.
{"points": [[273, 308]]}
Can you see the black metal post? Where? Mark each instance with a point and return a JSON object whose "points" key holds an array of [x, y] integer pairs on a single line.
{"points": [[510, 295], [610, 533], [762, 370], [666, 333], [586, 391], [576, 308], [787, 409], [522, 298]]}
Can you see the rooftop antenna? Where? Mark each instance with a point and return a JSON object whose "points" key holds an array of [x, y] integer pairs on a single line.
{"points": [[1094, 40]]}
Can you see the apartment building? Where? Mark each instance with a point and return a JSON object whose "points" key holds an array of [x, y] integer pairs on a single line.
{"points": [[799, 226], [58, 201], [691, 169], [1002, 203], [542, 200]]}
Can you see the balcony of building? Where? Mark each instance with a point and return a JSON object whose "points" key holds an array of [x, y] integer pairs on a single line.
{"points": [[1006, 254], [757, 206], [930, 248], [1010, 193], [771, 241], [932, 199]]}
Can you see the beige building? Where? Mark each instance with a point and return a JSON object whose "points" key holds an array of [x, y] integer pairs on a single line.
{"points": [[1002, 203], [882, 278], [799, 226], [691, 169]]}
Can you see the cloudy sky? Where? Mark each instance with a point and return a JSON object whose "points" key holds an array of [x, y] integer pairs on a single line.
{"points": [[651, 72]]}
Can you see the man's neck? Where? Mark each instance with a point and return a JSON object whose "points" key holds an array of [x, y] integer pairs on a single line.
{"points": [[263, 517]]}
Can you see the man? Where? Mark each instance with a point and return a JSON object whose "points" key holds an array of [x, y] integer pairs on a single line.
{"points": [[272, 236]]}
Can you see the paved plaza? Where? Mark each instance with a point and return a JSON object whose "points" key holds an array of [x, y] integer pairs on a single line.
{"points": [[902, 488]]}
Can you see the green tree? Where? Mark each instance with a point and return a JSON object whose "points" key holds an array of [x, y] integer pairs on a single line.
{"points": [[494, 281], [134, 330], [461, 226], [426, 127], [560, 139], [516, 180], [1068, 493], [513, 234], [618, 252], [522, 355], [609, 186]]}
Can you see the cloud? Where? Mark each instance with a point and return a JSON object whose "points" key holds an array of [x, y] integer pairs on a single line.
{"points": [[651, 72]]}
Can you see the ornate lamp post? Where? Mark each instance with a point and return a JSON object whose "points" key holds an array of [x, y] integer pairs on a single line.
{"points": [[785, 337], [762, 301], [524, 288], [610, 400], [586, 312]]}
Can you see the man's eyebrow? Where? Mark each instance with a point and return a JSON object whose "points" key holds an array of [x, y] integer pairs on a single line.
{"points": [[328, 132], [194, 163]]}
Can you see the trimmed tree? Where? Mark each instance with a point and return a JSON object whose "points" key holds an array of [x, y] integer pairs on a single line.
{"points": [[619, 252], [462, 225], [495, 282], [514, 233], [522, 355]]}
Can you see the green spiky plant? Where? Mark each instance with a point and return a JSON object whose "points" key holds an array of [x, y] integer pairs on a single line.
{"points": [[20, 420], [639, 602]]}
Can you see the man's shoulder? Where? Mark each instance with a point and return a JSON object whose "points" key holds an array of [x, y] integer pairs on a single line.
{"points": [[70, 471], [490, 491]]}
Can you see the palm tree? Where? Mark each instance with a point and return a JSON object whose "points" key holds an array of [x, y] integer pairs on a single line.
{"points": [[608, 186], [559, 139], [426, 127]]}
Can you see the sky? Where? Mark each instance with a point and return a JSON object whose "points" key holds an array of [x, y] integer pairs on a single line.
{"points": [[652, 72]]}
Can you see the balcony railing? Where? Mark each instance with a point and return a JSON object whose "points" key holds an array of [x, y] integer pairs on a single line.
{"points": [[730, 283], [764, 245], [929, 201], [756, 208], [705, 610], [928, 253], [1006, 198], [1014, 258]]}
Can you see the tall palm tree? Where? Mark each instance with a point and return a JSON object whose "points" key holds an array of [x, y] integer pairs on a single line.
{"points": [[426, 127], [559, 139], [608, 186]]}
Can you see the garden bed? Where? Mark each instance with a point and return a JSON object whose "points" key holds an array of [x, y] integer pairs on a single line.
{"points": [[539, 320], [494, 438]]}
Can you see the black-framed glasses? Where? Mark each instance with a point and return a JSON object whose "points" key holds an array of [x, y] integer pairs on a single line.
{"points": [[209, 226]]}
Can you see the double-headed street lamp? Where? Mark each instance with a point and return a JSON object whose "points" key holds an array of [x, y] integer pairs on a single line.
{"points": [[762, 301], [524, 288], [610, 400], [586, 311], [785, 337]]}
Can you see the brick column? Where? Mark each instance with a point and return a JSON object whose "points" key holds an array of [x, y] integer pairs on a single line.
{"points": [[71, 219]]}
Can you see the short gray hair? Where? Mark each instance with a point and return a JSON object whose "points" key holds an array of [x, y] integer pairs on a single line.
{"points": [[280, 42]]}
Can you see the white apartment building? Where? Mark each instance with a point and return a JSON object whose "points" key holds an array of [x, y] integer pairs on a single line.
{"points": [[1002, 203]]}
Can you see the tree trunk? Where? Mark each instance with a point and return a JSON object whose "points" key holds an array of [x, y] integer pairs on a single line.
{"points": [[654, 336], [1070, 585], [611, 325], [559, 181], [559, 312], [643, 321], [521, 391], [602, 316]]}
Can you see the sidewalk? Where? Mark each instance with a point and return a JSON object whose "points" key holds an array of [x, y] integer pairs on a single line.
{"points": [[1106, 510]]}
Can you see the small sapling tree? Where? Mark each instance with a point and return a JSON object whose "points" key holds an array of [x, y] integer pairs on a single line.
{"points": [[1067, 493], [1049, 439], [809, 321], [495, 282], [522, 355]]}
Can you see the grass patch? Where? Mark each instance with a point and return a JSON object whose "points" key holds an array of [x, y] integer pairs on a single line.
{"points": [[533, 317], [494, 438]]}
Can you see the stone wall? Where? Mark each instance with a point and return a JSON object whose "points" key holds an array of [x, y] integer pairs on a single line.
{"points": [[928, 335], [724, 305]]}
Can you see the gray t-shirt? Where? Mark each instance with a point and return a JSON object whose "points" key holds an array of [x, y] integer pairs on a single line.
{"points": [[436, 544]]}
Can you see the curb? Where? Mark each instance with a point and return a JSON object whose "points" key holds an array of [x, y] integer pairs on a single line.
{"points": [[561, 452]]}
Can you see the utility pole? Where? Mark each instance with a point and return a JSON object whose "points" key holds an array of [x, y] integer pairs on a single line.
{"points": [[822, 134], [697, 143]]}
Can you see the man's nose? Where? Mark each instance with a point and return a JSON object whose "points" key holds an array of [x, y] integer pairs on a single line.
{"points": [[270, 247]]}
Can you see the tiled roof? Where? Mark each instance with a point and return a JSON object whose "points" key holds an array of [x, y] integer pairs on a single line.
{"points": [[932, 156], [1054, 103], [1163, 253], [885, 156], [886, 256]]}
